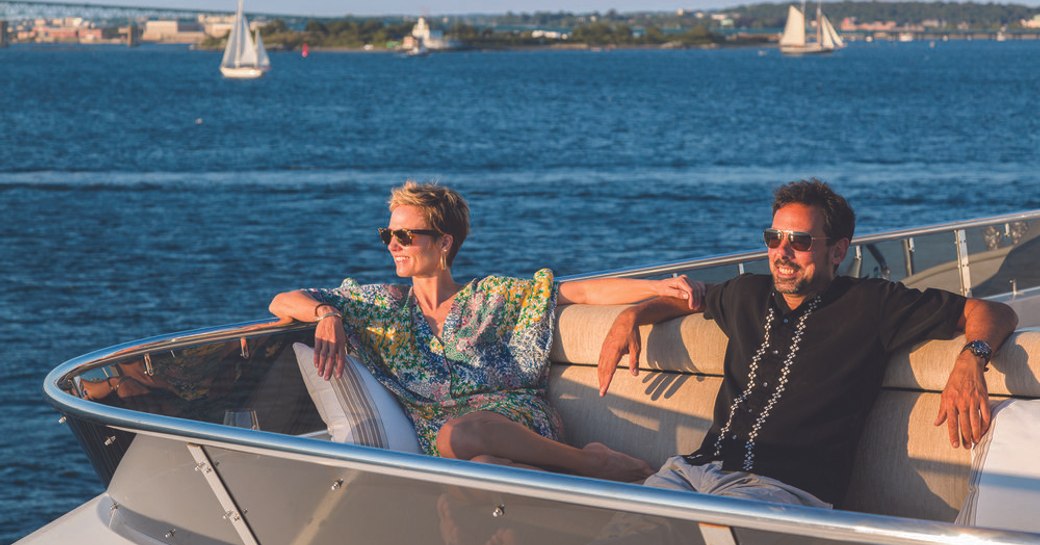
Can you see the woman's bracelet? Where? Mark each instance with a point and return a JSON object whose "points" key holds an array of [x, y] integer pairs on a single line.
{"points": [[317, 308], [330, 314]]}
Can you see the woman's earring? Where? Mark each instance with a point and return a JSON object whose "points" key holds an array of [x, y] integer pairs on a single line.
{"points": [[444, 260]]}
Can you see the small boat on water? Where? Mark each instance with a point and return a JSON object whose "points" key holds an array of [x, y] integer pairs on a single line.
{"points": [[417, 50], [794, 40], [244, 55], [150, 415]]}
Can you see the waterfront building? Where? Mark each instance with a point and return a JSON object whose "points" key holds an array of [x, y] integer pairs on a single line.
{"points": [[429, 38], [63, 30], [217, 26], [172, 31]]}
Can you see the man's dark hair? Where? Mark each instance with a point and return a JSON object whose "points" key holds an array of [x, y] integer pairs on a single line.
{"points": [[839, 221]]}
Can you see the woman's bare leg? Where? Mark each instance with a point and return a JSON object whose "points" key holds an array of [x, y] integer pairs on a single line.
{"points": [[488, 434]]}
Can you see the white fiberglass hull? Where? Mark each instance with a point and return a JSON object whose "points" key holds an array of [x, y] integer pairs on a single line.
{"points": [[242, 72], [808, 49]]}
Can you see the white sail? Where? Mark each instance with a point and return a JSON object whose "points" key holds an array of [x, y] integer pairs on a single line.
{"points": [[240, 50], [824, 37], [831, 36], [794, 31], [262, 60]]}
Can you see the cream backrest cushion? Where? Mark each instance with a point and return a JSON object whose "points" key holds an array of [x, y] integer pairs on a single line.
{"points": [[356, 407]]}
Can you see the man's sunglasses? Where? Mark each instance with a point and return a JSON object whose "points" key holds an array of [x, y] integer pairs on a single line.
{"points": [[403, 236], [800, 240]]}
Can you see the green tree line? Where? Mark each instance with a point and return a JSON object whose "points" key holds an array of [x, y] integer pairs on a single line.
{"points": [[773, 15], [356, 33], [949, 14]]}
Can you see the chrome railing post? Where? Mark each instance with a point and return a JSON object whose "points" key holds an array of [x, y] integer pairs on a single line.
{"points": [[908, 255], [856, 267], [963, 267]]}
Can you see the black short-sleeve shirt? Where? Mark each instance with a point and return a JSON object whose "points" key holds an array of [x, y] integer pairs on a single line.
{"points": [[802, 426]]}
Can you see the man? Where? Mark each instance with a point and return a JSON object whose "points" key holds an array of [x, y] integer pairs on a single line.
{"points": [[806, 357]]}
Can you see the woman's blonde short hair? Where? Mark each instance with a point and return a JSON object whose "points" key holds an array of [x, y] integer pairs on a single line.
{"points": [[445, 210]]}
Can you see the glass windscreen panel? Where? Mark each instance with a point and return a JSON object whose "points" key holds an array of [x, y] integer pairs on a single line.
{"points": [[931, 262], [757, 266], [204, 382], [885, 259], [1003, 257], [716, 274], [709, 275]]}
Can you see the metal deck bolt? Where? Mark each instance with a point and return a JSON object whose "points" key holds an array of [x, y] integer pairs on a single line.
{"points": [[171, 533], [63, 419], [337, 484], [499, 511], [110, 440]]}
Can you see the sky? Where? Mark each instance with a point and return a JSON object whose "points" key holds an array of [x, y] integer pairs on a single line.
{"points": [[335, 8], [332, 8]]}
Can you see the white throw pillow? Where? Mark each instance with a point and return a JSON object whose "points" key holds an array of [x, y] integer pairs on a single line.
{"points": [[1004, 492], [356, 407]]}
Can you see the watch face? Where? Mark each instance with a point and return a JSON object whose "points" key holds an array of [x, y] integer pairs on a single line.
{"points": [[980, 349]]}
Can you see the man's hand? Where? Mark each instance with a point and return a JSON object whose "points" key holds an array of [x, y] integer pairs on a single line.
{"points": [[965, 402], [681, 287], [622, 338]]}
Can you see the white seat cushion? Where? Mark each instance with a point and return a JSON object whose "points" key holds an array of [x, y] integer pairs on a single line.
{"points": [[1004, 492], [356, 407]]}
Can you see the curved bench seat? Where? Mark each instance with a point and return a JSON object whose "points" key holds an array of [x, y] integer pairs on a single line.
{"points": [[904, 466]]}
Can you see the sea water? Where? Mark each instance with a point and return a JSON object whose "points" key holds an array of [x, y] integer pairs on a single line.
{"points": [[141, 193]]}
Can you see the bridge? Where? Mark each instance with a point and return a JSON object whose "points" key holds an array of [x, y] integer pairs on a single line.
{"points": [[13, 11]]}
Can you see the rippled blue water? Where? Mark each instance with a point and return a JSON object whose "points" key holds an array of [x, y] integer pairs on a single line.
{"points": [[141, 193]]}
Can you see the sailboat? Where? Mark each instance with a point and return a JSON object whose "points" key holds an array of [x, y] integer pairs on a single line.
{"points": [[244, 56], [793, 41], [417, 50]]}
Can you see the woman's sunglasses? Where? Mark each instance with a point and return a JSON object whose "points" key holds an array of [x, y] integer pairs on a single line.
{"points": [[403, 236], [800, 240]]}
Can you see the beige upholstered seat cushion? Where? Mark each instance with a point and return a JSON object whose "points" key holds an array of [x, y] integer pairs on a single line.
{"points": [[905, 465], [691, 344], [653, 416], [1012, 371]]}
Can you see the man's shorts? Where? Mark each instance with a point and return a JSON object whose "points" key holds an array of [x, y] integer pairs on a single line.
{"points": [[678, 474]]}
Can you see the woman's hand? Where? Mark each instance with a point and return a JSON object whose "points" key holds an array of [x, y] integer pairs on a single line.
{"points": [[680, 287], [329, 347]]}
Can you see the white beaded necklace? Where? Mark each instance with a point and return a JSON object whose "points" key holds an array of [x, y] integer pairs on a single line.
{"points": [[749, 447]]}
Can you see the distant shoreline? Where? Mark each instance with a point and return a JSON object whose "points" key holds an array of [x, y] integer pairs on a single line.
{"points": [[766, 44], [551, 47]]}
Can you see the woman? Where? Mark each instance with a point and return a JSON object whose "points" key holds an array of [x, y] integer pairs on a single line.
{"points": [[469, 362]]}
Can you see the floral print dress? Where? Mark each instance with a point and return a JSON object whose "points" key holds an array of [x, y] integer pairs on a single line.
{"points": [[492, 355]]}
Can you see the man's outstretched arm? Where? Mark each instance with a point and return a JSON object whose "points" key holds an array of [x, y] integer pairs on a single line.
{"points": [[965, 400], [623, 336]]}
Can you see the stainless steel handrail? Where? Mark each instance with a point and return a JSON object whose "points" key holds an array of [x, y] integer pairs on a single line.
{"points": [[173, 341], [740, 257], [837, 525]]}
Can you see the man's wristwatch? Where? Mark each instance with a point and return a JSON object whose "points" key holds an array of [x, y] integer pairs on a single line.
{"points": [[980, 349]]}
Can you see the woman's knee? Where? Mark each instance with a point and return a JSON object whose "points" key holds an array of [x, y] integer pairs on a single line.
{"points": [[464, 437], [493, 460]]}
